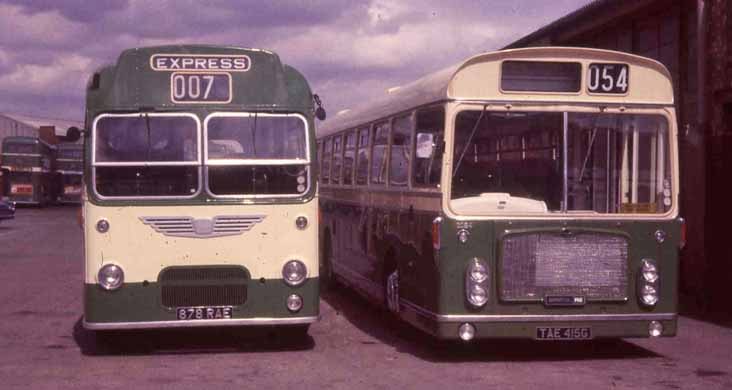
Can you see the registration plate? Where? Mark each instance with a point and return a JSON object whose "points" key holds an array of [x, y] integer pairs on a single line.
{"points": [[72, 190], [563, 333], [204, 313]]}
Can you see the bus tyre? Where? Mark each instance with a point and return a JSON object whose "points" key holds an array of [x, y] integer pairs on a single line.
{"points": [[392, 292]]}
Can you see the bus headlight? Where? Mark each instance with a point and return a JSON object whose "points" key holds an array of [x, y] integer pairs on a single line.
{"points": [[649, 295], [294, 303], [649, 271], [294, 272], [476, 282], [111, 277], [648, 280]]}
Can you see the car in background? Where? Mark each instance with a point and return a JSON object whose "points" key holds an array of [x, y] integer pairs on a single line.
{"points": [[7, 210]]}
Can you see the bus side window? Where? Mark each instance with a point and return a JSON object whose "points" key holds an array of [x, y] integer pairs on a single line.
{"points": [[400, 151], [349, 155], [430, 135], [325, 174], [362, 163], [335, 174], [378, 154]]}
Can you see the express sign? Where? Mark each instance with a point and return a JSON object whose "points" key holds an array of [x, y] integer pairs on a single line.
{"points": [[200, 78], [199, 62]]}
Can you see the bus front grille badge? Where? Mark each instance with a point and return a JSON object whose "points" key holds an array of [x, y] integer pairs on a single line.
{"points": [[218, 226]]}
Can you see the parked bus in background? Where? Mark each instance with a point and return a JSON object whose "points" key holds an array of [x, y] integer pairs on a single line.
{"points": [[70, 169], [200, 204], [28, 170], [527, 193]]}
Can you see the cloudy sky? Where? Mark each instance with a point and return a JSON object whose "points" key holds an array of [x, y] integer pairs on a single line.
{"points": [[350, 50]]}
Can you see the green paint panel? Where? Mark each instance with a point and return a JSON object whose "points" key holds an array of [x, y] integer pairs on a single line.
{"points": [[485, 237], [136, 302], [484, 241]]}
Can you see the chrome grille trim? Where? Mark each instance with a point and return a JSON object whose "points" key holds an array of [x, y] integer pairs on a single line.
{"points": [[218, 226], [592, 265], [190, 286]]}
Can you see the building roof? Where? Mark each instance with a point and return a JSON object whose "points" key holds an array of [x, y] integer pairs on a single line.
{"points": [[20, 119], [60, 125], [570, 20]]}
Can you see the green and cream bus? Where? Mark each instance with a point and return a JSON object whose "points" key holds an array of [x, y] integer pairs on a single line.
{"points": [[69, 169], [28, 169], [528, 193], [199, 199]]}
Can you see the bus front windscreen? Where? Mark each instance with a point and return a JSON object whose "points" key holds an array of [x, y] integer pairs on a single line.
{"points": [[257, 155], [529, 162], [146, 156]]}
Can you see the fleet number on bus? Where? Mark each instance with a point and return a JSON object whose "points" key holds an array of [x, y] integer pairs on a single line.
{"points": [[200, 87]]}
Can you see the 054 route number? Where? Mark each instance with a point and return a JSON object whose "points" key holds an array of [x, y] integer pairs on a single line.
{"points": [[608, 78]]}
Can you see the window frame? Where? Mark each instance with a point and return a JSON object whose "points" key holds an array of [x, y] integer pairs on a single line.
{"points": [[198, 163], [661, 111], [256, 162], [350, 132], [411, 117], [428, 109], [386, 158]]}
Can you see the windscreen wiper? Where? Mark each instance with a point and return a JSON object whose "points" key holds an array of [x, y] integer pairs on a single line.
{"points": [[470, 139]]}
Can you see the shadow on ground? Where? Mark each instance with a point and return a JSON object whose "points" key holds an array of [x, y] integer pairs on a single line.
{"points": [[708, 310], [190, 341], [382, 326]]}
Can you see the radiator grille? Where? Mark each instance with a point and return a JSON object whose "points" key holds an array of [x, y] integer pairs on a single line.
{"points": [[203, 286], [590, 265]]}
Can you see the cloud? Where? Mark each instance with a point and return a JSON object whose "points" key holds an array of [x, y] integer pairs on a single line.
{"points": [[49, 29], [349, 51], [59, 77]]}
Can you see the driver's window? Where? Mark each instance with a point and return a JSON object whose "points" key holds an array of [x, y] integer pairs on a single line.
{"points": [[428, 144]]}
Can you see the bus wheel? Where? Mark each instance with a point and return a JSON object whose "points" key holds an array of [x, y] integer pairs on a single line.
{"points": [[392, 292]]}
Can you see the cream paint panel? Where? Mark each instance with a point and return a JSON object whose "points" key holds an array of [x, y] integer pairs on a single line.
{"points": [[482, 81], [142, 252], [452, 109]]}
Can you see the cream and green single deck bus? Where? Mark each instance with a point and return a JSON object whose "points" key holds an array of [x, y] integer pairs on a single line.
{"points": [[199, 201], [530, 193]]}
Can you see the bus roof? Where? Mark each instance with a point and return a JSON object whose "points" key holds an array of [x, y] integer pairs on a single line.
{"points": [[21, 140], [140, 80], [478, 78], [25, 140]]}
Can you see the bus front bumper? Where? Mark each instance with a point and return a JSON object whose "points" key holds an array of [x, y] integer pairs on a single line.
{"points": [[139, 306], [538, 326]]}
